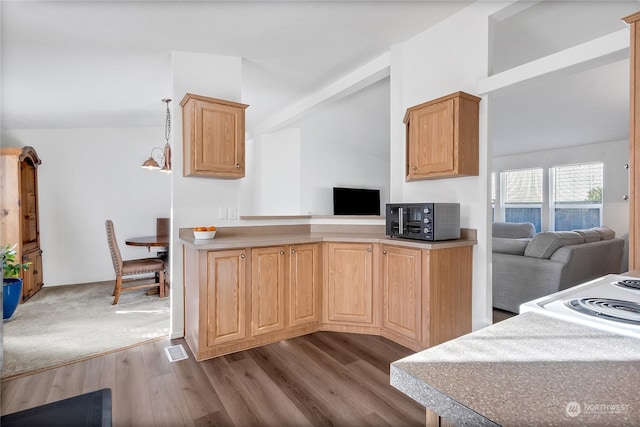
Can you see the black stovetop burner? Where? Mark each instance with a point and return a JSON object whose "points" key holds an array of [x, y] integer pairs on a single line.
{"points": [[628, 283], [608, 308]]}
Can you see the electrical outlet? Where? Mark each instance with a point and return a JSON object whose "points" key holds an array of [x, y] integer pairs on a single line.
{"points": [[222, 212], [233, 213]]}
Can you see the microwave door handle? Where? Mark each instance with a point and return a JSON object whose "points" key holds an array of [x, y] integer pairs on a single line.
{"points": [[401, 221]]}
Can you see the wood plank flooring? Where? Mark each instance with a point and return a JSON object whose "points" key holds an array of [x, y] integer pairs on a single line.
{"points": [[321, 379]]}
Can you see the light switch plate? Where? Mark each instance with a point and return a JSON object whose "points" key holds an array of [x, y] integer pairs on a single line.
{"points": [[233, 213], [222, 212]]}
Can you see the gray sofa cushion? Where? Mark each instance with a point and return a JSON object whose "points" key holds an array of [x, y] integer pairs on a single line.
{"points": [[589, 235], [544, 244], [513, 230], [509, 246], [605, 233]]}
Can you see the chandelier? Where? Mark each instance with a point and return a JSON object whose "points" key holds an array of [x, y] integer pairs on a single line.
{"points": [[159, 155]]}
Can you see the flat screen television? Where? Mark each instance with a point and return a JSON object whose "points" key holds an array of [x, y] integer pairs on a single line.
{"points": [[356, 201]]}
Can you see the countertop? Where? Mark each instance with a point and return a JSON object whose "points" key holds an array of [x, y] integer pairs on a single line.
{"points": [[530, 369], [234, 239]]}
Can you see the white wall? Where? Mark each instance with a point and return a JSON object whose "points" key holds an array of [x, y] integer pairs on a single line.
{"points": [[451, 56], [614, 155], [195, 200], [345, 143], [279, 188], [86, 177]]}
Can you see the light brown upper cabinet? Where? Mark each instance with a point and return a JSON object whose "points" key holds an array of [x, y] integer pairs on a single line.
{"points": [[442, 137], [213, 137]]}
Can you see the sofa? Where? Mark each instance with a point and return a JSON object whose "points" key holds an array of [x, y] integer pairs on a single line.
{"points": [[527, 265]]}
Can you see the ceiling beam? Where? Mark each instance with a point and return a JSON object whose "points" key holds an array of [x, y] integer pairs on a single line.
{"points": [[364, 76], [603, 50]]}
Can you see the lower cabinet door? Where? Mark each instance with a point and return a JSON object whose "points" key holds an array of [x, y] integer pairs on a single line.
{"points": [[402, 286], [304, 284], [268, 281], [349, 293], [226, 290]]}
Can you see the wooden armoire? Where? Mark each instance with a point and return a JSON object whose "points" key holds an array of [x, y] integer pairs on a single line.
{"points": [[19, 221]]}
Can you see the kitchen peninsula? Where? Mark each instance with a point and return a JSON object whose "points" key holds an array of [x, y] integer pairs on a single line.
{"points": [[255, 285], [531, 369]]}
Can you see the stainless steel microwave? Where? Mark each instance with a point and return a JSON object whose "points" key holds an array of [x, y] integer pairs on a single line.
{"points": [[424, 221]]}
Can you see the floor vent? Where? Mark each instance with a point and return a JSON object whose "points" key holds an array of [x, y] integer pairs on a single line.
{"points": [[175, 353]]}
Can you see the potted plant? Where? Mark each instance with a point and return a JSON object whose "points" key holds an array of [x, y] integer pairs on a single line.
{"points": [[11, 283]]}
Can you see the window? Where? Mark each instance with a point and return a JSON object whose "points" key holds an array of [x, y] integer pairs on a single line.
{"points": [[522, 196], [576, 196]]}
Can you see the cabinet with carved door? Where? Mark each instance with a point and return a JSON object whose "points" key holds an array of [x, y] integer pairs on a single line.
{"points": [[305, 283], [402, 294], [215, 300], [268, 282], [19, 219], [442, 138], [213, 137], [350, 297]]}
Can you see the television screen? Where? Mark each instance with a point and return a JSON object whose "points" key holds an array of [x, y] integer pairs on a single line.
{"points": [[356, 201]]}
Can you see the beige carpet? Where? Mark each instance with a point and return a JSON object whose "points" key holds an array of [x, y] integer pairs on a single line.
{"points": [[65, 323]]}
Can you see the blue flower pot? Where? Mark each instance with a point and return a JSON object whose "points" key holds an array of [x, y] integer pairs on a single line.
{"points": [[11, 292]]}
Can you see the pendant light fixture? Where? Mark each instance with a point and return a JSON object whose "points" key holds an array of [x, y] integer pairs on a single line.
{"points": [[164, 155]]}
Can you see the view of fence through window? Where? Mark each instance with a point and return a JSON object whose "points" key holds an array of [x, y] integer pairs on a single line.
{"points": [[577, 196], [575, 193]]}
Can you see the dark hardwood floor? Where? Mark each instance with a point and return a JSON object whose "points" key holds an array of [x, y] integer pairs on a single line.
{"points": [[500, 315], [324, 379]]}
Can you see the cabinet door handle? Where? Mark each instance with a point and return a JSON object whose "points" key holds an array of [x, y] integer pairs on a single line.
{"points": [[281, 252], [368, 249], [35, 272], [293, 251], [414, 168], [242, 256], [384, 252], [238, 165]]}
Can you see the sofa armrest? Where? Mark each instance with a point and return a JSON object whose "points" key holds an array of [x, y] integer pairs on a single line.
{"points": [[509, 246], [518, 279], [588, 261]]}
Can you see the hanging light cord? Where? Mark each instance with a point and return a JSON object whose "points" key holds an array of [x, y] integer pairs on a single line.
{"points": [[167, 125]]}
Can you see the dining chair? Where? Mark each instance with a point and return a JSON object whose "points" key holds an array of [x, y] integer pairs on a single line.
{"points": [[132, 267]]}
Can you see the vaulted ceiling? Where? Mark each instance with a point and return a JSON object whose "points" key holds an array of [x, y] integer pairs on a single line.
{"points": [[69, 64]]}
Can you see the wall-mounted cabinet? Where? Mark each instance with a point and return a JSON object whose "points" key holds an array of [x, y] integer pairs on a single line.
{"points": [[442, 138], [213, 137], [19, 220]]}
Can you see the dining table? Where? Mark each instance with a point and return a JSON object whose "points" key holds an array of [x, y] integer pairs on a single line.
{"points": [[149, 241]]}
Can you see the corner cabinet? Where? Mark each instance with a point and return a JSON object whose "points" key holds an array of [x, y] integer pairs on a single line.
{"points": [[19, 219], [236, 299], [213, 137], [442, 138]]}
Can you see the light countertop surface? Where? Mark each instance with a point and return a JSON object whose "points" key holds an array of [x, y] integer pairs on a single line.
{"points": [[530, 369], [234, 240]]}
